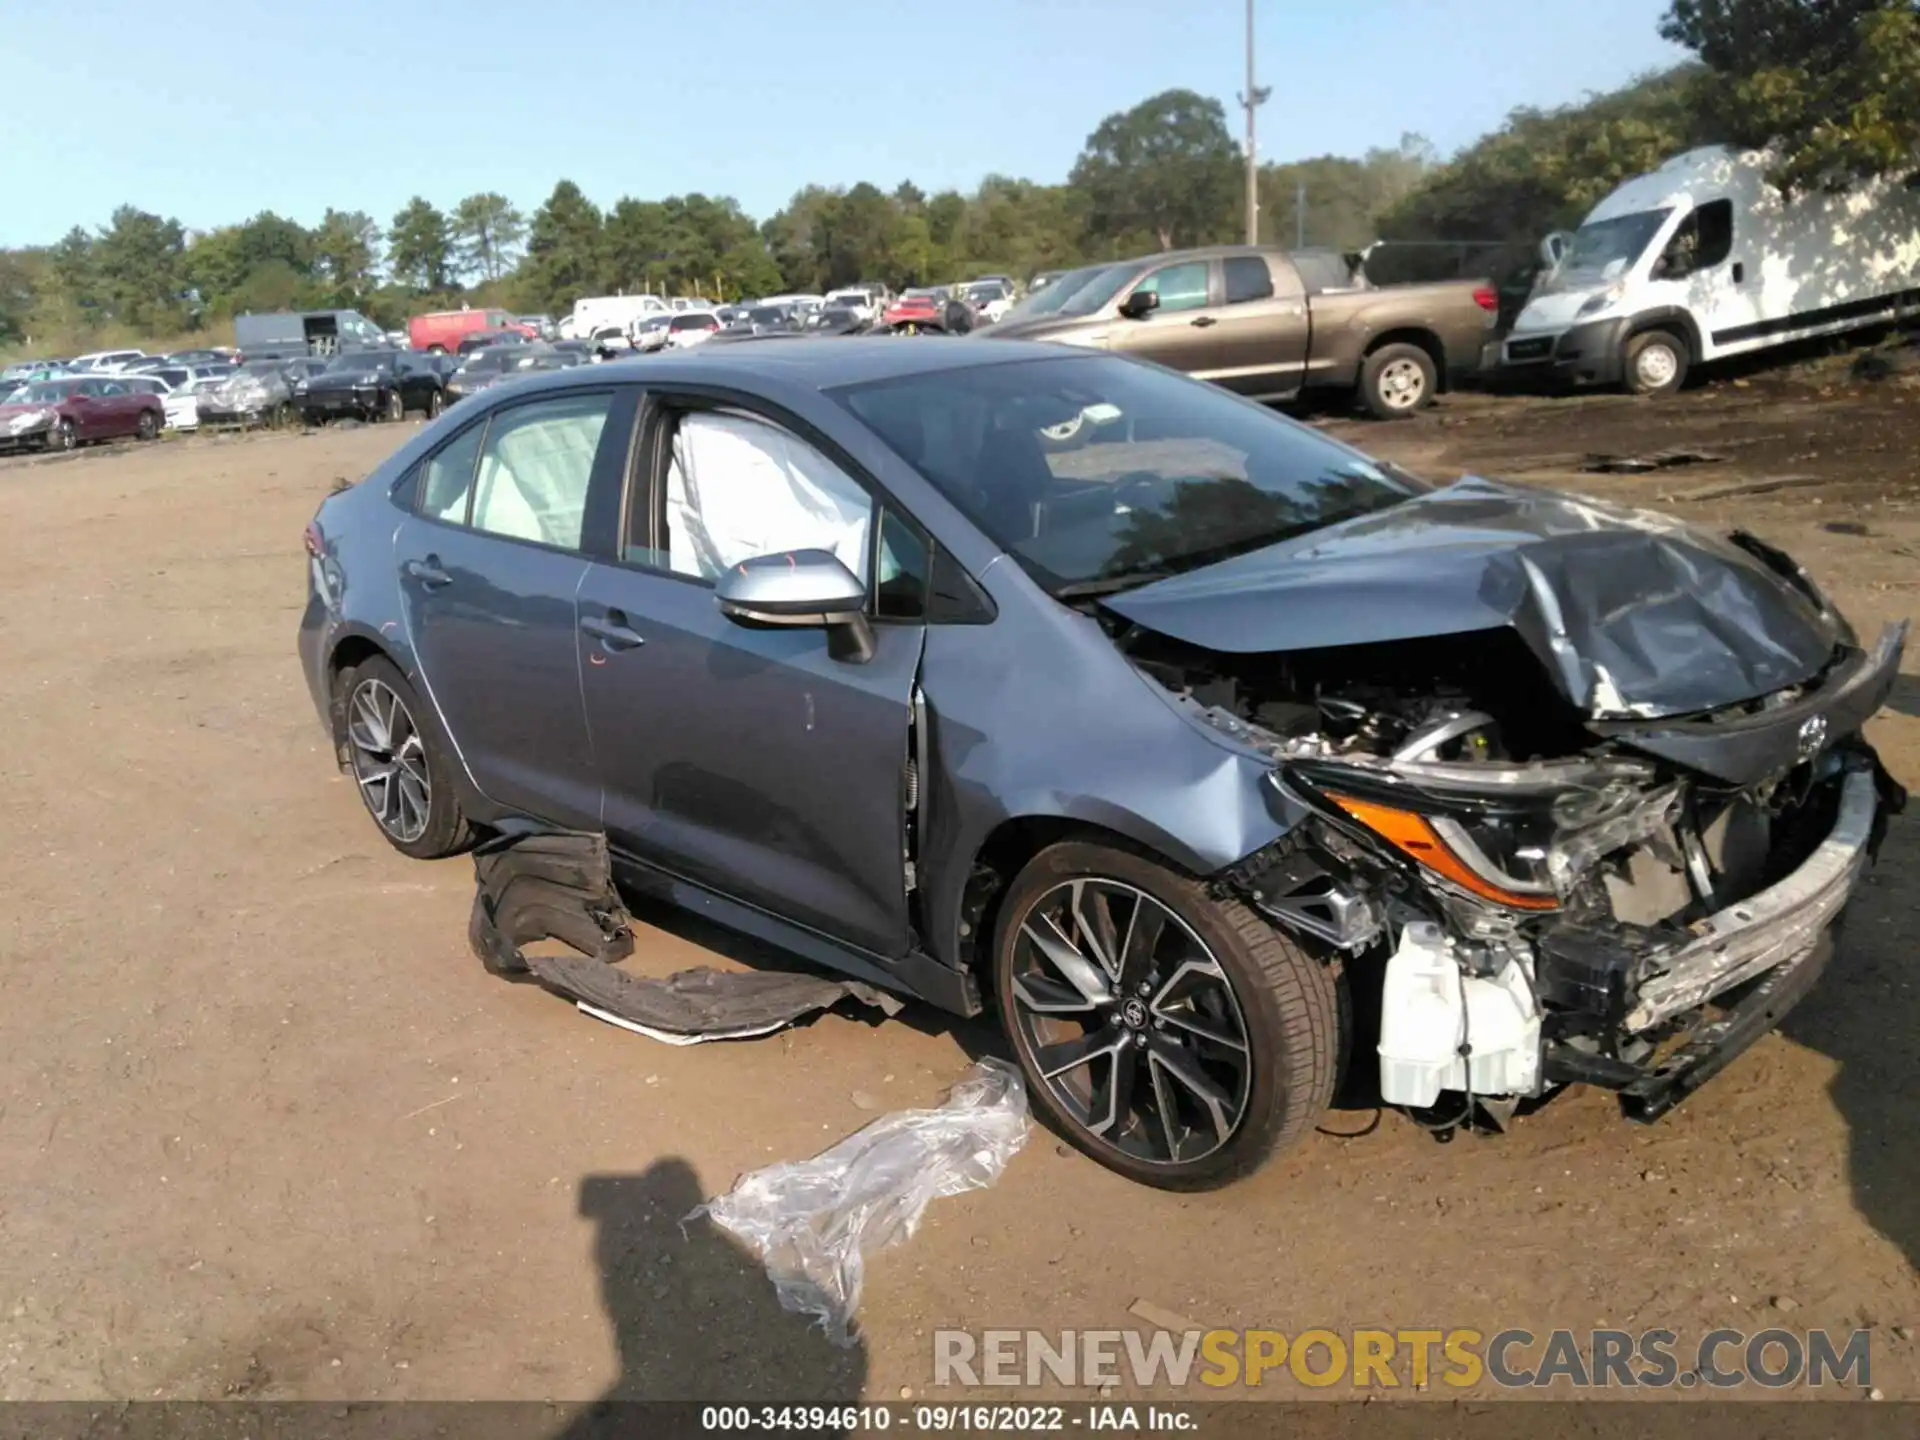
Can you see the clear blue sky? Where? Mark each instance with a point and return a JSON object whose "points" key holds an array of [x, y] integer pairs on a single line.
{"points": [[210, 112]]}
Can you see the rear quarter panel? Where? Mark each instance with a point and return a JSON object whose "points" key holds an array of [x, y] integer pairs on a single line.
{"points": [[1346, 323]]}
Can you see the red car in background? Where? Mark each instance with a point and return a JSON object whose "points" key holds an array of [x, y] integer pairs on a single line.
{"points": [[61, 414], [443, 330], [930, 311]]}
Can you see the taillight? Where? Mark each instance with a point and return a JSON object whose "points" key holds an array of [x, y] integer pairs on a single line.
{"points": [[316, 542], [1486, 297]]}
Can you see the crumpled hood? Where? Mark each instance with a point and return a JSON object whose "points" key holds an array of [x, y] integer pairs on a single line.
{"points": [[1633, 614]]}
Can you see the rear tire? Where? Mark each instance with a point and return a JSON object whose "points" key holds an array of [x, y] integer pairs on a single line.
{"points": [[148, 428], [1218, 1022], [1654, 363], [1397, 381], [399, 764], [436, 402]]}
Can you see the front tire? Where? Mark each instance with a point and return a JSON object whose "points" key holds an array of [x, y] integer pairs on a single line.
{"points": [[402, 770], [1397, 381], [1173, 1036], [1655, 363], [395, 408], [63, 437]]}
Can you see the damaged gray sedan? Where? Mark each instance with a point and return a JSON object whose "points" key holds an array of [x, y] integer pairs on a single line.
{"points": [[1203, 749]]}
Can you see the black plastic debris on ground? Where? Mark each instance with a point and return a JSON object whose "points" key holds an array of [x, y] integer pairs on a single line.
{"points": [[1642, 464], [559, 885]]}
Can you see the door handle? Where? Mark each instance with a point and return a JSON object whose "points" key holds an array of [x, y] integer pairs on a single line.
{"points": [[1202, 321], [428, 572], [612, 631]]}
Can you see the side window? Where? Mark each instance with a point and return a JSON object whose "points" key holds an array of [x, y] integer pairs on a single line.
{"points": [[1715, 222], [900, 574], [738, 486], [448, 476], [1248, 278], [112, 387], [534, 469], [1181, 287]]}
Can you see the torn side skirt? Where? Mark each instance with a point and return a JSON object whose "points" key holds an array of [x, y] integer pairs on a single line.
{"points": [[559, 885], [554, 885]]}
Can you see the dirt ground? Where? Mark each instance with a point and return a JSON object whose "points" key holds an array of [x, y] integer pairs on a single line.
{"points": [[267, 1129]]}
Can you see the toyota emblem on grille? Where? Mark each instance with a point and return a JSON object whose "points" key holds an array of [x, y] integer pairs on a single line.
{"points": [[1812, 737]]}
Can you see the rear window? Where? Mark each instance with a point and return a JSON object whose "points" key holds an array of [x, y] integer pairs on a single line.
{"points": [[694, 322]]}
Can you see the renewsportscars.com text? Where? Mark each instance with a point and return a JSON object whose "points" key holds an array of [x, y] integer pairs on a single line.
{"points": [[1378, 1359]]}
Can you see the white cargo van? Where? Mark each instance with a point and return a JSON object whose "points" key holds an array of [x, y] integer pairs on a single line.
{"points": [[601, 312], [1703, 259]]}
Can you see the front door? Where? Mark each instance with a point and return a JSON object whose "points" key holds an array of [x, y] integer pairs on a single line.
{"points": [[1179, 333], [750, 759], [489, 566]]}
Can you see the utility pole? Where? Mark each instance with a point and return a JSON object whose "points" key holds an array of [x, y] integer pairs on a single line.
{"points": [[1251, 98]]}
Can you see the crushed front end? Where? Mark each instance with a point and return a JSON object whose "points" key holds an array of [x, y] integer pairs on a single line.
{"points": [[1542, 897]]}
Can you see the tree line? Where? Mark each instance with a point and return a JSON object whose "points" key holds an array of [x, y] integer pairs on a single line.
{"points": [[1834, 84]]}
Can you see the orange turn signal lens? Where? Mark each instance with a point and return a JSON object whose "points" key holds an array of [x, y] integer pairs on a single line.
{"points": [[1410, 834]]}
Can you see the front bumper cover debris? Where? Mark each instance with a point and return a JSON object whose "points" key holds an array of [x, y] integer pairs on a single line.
{"points": [[1780, 925], [559, 885]]}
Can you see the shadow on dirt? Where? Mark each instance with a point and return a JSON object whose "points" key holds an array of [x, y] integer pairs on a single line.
{"points": [[1905, 696], [694, 1315], [1865, 1014]]}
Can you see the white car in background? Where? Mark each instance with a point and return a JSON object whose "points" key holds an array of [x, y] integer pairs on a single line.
{"points": [[691, 327], [991, 298], [649, 333], [182, 404], [861, 302], [101, 361]]}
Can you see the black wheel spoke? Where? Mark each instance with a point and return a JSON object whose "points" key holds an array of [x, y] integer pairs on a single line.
{"points": [[1093, 926], [1057, 1059], [1113, 1101], [1178, 1065], [1142, 940]]}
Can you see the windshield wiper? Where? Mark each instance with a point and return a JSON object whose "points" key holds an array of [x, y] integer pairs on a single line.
{"points": [[1109, 584]]}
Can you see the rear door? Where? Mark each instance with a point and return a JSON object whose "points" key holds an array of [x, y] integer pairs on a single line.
{"points": [[754, 760], [116, 409], [1178, 333], [1257, 344], [490, 562]]}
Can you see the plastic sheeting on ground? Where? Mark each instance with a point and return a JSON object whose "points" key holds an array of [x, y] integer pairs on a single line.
{"points": [[813, 1222]]}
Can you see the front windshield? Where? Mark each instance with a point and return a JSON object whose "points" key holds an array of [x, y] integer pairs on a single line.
{"points": [[1097, 474], [360, 361], [768, 315], [1049, 298], [1096, 291], [1610, 247]]}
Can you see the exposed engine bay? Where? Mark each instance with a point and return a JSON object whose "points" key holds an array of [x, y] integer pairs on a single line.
{"points": [[1542, 897]]}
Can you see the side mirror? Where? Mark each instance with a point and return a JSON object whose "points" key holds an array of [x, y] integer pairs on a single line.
{"points": [[1553, 249], [801, 587], [1140, 304]]}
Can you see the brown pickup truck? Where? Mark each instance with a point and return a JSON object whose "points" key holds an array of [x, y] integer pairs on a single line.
{"points": [[1269, 324]]}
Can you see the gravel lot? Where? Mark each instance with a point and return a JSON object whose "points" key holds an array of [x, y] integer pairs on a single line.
{"points": [[268, 1129]]}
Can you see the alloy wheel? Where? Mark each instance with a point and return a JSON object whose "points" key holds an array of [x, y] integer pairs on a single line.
{"points": [[389, 760], [1130, 1022], [1402, 384], [396, 406]]}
